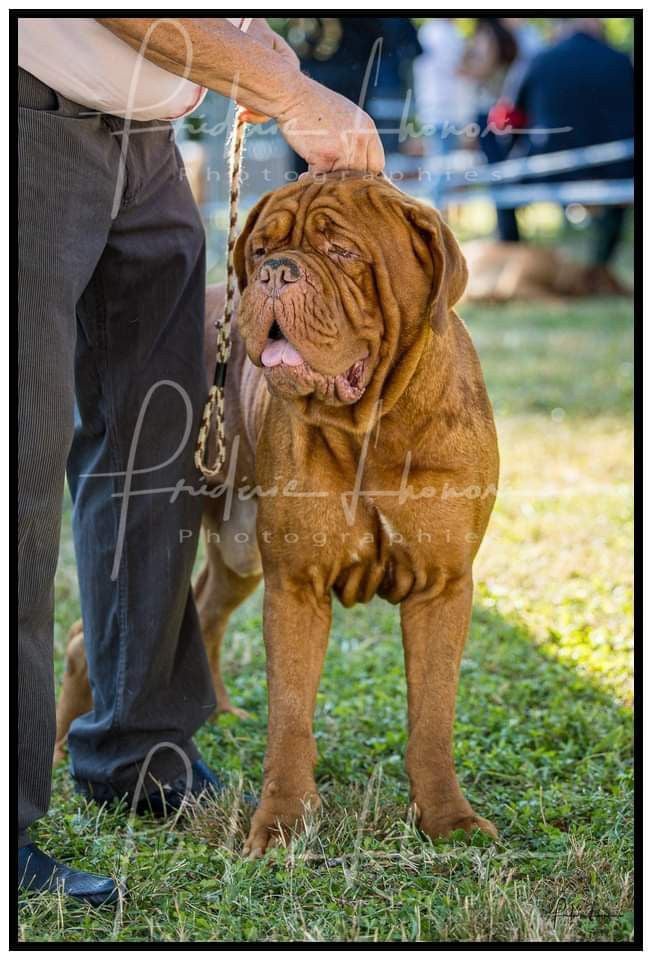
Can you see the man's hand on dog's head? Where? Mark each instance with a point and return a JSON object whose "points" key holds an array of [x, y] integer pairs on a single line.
{"points": [[330, 132]]}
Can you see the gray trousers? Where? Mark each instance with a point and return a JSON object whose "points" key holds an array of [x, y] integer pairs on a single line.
{"points": [[111, 303]]}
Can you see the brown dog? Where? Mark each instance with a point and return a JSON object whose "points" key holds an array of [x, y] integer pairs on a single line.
{"points": [[356, 405], [500, 272]]}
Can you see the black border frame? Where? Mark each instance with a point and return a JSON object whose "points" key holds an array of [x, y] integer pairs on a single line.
{"points": [[637, 942]]}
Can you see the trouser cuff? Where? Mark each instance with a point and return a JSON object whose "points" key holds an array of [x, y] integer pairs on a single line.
{"points": [[165, 766]]}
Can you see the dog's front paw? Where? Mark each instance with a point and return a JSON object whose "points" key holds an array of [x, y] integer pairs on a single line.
{"points": [[277, 818], [436, 824]]}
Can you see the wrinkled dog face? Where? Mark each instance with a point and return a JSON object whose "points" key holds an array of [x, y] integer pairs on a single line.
{"points": [[319, 264], [309, 314]]}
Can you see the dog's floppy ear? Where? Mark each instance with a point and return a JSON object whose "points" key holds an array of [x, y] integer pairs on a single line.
{"points": [[239, 251], [449, 270]]}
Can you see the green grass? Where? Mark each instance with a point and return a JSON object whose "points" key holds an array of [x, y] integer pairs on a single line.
{"points": [[543, 736]]}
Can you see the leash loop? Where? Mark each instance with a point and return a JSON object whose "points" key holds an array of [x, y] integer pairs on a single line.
{"points": [[214, 409]]}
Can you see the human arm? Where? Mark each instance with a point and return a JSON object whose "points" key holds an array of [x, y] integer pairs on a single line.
{"points": [[262, 74]]}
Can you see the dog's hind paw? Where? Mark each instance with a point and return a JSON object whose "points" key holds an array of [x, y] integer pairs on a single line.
{"points": [[438, 826], [228, 707]]}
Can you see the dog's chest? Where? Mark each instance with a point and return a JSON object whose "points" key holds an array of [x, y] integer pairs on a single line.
{"points": [[379, 555], [351, 523]]}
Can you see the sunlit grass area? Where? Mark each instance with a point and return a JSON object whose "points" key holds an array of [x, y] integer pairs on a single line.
{"points": [[543, 740], [558, 554]]}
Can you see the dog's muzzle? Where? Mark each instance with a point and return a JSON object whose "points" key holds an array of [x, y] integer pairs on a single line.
{"points": [[277, 273]]}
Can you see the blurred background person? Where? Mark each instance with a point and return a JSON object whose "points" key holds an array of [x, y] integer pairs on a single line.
{"points": [[444, 99], [399, 48], [488, 56], [578, 93], [338, 50], [529, 42]]}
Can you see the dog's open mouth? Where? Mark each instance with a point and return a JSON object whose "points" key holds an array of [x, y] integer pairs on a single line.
{"points": [[288, 372]]}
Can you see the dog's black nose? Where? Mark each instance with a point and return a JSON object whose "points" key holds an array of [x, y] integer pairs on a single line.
{"points": [[277, 272]]}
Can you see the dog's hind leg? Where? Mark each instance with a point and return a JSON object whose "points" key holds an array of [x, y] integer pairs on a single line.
{"points": [[76, 697], [232, 572]]}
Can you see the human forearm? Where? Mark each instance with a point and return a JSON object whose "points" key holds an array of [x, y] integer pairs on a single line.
{"points": [[213, 53]]}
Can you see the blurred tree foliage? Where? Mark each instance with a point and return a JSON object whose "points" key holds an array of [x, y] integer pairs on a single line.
{"points": [[620, 32]]}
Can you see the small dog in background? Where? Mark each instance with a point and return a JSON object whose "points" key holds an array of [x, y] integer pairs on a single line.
{"points": [[500, 272]]}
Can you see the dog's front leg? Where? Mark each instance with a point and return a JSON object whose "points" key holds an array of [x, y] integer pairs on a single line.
{"points": [[296, 626], [434, 633]]}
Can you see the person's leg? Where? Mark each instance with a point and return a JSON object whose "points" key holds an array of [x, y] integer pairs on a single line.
{"points": [[609, 225], [140, 386], [64, 205], [507, 225], [495, 149]]}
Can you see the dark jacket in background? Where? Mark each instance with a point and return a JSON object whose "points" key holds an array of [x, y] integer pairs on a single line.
{"points": [[340, 64], [336, 51], [584, 84]]}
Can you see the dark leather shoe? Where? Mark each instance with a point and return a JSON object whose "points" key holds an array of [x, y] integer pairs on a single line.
{"points": [[170, 796], [39, 873]]}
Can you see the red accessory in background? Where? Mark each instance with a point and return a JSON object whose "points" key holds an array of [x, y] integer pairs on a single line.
{"points": [[504, 114]]}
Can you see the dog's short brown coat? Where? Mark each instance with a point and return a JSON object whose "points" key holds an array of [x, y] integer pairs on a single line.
{"points": [[381, 443]]}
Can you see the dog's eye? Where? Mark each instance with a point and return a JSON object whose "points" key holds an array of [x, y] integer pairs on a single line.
{"points": [[258, 252], [338, 251]]}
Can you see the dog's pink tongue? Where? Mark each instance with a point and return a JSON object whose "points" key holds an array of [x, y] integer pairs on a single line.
{"points": [[280, 351]]}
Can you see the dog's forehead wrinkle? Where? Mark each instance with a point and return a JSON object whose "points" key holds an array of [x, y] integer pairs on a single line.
{"points": [[303, 208], [276, 225], [333, 197]]}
